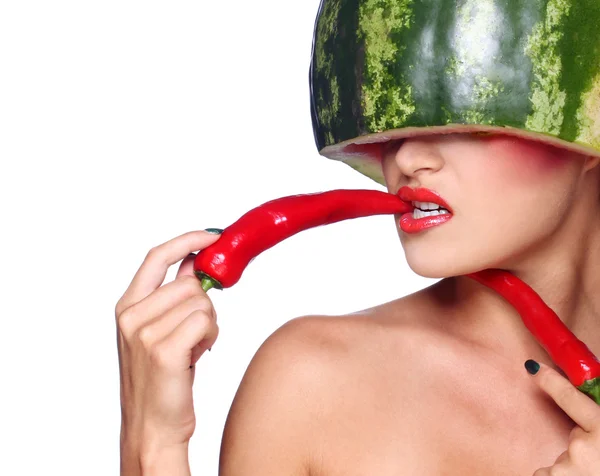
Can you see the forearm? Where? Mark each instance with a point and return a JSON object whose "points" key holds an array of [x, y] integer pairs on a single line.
{"points": [[171, 461]]}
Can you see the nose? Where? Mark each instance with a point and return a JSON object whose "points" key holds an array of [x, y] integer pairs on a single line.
{"points": [[418, 156]]}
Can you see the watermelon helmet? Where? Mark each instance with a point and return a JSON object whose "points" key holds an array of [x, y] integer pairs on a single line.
{"points": [[390, 69]]}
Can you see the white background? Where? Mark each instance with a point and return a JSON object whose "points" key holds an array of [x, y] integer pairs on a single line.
{"points": [[122, 125]]}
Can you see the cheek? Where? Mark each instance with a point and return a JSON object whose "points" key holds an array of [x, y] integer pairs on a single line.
{"points": [[526, 161], [523, 189], [527, 174]]}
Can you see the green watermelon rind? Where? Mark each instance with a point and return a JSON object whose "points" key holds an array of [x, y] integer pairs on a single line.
{"points": [[528, 69]]}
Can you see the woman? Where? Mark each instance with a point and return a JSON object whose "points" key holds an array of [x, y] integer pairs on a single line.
{"points": [[432, 383]]}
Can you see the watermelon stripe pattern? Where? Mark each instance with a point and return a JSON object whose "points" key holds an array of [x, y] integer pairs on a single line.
{"points": [[386, 69]]}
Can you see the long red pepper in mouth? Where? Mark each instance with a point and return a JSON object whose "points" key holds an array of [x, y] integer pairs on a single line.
{"points": [[570, 354], [221, 264]]}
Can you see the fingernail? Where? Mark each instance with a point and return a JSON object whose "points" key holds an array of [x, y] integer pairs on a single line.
{"points": [[214, 231], [532, 367], [210, 349]]}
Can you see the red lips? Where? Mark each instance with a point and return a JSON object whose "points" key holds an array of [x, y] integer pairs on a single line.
{"points": [[411, 225], [422, 195]]}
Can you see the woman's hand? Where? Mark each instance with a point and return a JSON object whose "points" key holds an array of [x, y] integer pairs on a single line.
{"points": [[582, 457], [162, 332]]}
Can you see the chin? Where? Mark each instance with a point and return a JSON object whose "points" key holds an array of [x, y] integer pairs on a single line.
{"points": [[439, 266]]}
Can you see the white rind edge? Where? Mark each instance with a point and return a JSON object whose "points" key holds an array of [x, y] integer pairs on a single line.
{"points": [[366, 162]]}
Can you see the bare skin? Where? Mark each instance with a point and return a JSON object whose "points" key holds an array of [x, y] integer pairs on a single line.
{"points": [[432, 383], [402, 388]]}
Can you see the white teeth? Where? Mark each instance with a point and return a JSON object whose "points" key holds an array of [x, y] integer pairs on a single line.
{"points": [[426, 205], [421, 214]]}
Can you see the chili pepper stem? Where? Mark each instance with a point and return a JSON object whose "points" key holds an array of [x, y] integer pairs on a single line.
{"points": [[592, 389], [207, 284]]}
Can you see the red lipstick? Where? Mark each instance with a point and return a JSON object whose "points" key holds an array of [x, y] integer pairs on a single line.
{"points": [[408, 223], [422, 195]]}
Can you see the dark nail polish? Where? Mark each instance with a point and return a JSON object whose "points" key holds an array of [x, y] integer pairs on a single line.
{"points": [[214, 231], [532, 367]]}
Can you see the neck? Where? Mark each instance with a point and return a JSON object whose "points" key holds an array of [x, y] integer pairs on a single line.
{"points": [[564, 271]]}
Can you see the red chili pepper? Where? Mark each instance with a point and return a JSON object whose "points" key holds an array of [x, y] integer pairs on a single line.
{"points": [[570, 354], [221, 265]]}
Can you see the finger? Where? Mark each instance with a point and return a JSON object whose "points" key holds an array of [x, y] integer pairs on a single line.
{"points": [[578, 406], [153, 270], [557, 470], [186, 268], [196, 329], [163, 325], [563, 457], [560, 469], [161, 301], [542, 472], [187, 265], [204, 345], [577, 433]]}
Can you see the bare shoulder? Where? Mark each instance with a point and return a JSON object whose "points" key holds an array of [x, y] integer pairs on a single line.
{"points": [[282, 398], [394, 389], [292, 388]]}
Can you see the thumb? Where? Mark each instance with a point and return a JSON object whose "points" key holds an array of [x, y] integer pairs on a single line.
{"points": [[186, 268]]}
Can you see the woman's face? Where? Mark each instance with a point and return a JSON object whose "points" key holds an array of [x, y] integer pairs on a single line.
{"points": [[508, 197]]}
